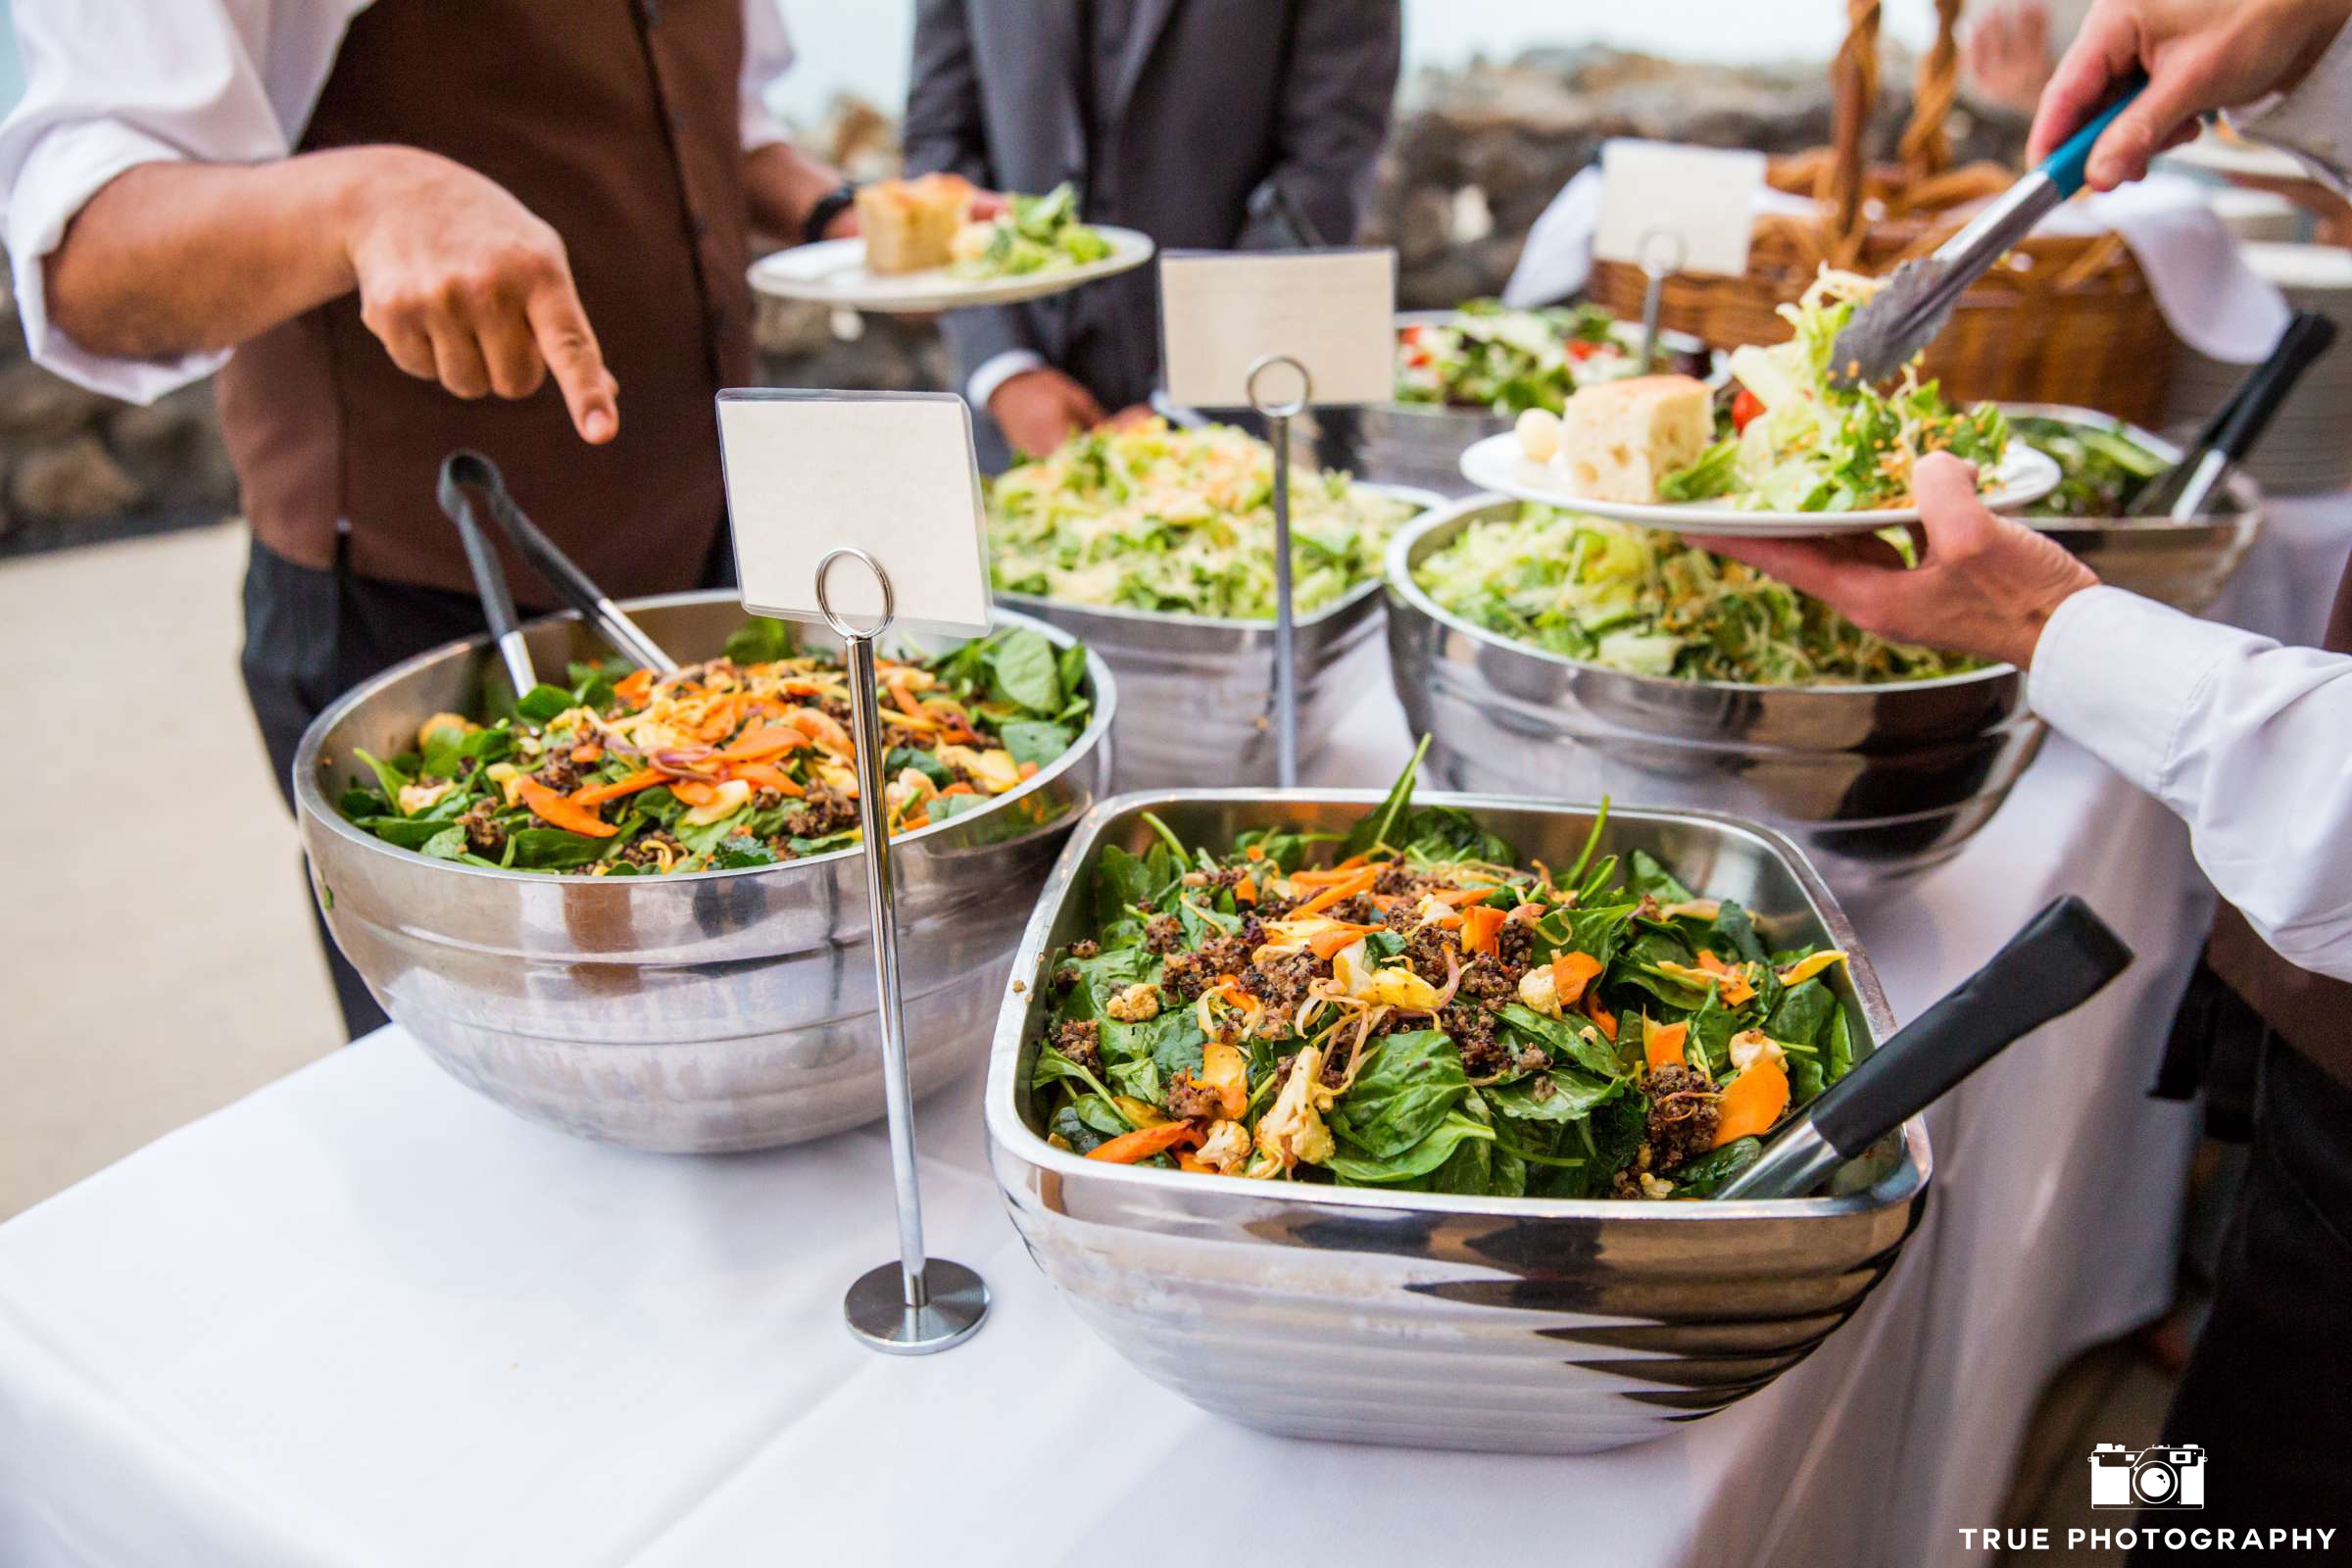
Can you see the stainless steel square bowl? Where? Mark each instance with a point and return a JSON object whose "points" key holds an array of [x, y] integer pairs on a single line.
{"points": [[1197, 691], [702, 1013], [1523, 1325]]}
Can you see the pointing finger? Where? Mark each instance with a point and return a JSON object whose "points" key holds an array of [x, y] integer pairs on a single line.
{"points": [[569, 345]]}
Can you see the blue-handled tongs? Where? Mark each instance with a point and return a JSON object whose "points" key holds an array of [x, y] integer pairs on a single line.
{"points": [[1900, 318]]}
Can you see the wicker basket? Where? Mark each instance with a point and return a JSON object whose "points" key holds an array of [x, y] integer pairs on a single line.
{"points": [[2064, 318]]}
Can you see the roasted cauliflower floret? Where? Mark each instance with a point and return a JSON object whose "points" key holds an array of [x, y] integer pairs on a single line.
{"points": [[1137, 1003]]}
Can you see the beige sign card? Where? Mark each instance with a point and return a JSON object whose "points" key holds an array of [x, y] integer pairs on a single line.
{"points": [[887, 472], [1332, 310], [1682, 209]]}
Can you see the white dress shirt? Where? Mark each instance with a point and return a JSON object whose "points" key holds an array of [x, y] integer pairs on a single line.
{"points": [[113, 84]]}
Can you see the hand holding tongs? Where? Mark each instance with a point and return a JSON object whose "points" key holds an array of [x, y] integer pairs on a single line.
{"points": [[1900, 318], [463, 471], [2063, 957]]}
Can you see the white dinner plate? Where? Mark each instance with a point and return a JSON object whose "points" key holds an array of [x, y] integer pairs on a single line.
{"points": [[833, 273], [2025, 475]]}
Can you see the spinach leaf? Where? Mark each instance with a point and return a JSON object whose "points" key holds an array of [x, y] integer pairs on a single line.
{"points": [[1380, 947], [1450, 833], [1710, 1170], [1414, 1159], [1103, 978], [1470, 1168], [761, 641], [1803, 1015], [1169, 1043], [1578, 1042], [1032, 740], [1121, 879], [444, 752], [1643, 874], [1022, 670], [949, 805], [1071, 667], [388, 778], [543, 702], [1572, 1097], [1839, 1055], [902, 757], [446, 845], [1083, 1135], [402, 832], [739, 850], [550, 849], [355, 803], [1711, 1029], [1737, 933], [1411, 1085]]}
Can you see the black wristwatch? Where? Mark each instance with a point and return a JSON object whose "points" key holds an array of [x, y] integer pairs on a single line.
{"points": [[831, 205]]}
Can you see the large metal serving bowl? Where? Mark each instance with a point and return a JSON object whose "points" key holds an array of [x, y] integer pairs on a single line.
{"points": [[1421, 444], [1197, 691], [1874, 781], [2184, 565], [1527, 1325], [709, 1012]]}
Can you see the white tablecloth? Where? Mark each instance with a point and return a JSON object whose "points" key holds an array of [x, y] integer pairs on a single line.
{"points": [[364, 1318]]}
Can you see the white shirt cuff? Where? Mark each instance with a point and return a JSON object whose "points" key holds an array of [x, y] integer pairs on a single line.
{"points": [[2117, 675], [999, 371], [55, 181]]}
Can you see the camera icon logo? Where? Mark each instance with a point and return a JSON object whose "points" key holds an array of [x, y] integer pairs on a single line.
{"points": [[2151, 1478]]}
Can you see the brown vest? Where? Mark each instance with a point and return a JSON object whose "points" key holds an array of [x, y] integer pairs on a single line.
{"points": [[2310, 1011], [617, 123]]}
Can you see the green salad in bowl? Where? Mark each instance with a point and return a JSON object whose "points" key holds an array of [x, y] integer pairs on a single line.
{"points": [[1149, 517], [1649, 602]]}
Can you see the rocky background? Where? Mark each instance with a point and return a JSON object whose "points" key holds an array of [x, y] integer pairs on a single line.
{"points": [[1477, 154]]}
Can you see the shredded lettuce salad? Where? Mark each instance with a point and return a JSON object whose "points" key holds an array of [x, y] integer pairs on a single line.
{"points": [[1644, 601], [1037, 234], [1799, 444], [1487, 355], [1153, 517]]}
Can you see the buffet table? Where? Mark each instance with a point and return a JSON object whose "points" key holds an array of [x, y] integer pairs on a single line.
{"points": [[366, 1317]]}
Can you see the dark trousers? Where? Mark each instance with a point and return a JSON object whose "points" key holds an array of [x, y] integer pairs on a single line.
{"points": [[2268, 1393], [313, 635]]}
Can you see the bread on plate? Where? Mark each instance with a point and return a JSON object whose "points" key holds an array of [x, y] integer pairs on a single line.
{"points": [[1615, 441]]}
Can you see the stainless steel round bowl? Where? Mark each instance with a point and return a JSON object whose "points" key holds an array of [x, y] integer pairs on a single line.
{"points": [[1875, 782], [709, 1012], [1199, 690], [1421, 444], [2184, 565]]}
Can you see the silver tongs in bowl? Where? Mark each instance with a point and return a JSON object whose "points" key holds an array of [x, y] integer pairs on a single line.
{"points": [[1903, 317], [465, 470], [2063, 957]]}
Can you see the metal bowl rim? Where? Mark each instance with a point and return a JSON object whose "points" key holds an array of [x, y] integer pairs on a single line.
{"points": [[1006, 1130], [1400, 582], [1036, 605], [312, 802]]}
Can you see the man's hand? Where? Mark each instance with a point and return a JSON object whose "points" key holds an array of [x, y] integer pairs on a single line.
{"points": [[2007, 54], [466, 286], [2200, 54], [1037, 410], [1985, 586]]}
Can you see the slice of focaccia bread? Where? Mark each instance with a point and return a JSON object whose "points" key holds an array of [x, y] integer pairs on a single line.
{"points": [[910, 225], [1617, 440]]}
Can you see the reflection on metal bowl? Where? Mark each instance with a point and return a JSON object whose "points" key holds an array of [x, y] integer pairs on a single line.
{"points": [[716, 1010], [2184, 565], [1874, 781], [1430, 1320], [1197, 692]]}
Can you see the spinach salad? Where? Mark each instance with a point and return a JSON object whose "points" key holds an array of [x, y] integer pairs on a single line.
{"points": [[1409, 1005], [743, 761]]}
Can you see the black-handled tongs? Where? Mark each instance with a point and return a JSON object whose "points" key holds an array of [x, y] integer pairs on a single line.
{"points": [[465, 470], [489, 579], [2063, 957], [2182, 491]]}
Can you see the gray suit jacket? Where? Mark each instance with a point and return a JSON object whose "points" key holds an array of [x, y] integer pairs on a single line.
{"points": [[1214, 98]]}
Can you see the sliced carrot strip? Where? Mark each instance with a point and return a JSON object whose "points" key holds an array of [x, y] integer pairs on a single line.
{"points": [[635, 688], [1340, 892], [556, 811], [1482, 923], [1603, 1017], [763, 743], [1571, 972], [959, 787], [1324, 944], [1246, 891], [694, 792], [1457, 897], [766, 776], [1662, 1046], [1144, 1142], [588, 753], [591, 795], [1753, 1101]]}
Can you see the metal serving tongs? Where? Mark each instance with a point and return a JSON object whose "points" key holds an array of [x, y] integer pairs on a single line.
{"points": [[2064, 957], [1900, 319], [2182, 491], [463, 471]]}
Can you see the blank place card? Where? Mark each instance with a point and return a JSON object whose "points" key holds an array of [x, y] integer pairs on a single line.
{"points": [[1701, 199], [1333, 311], [891, 473]]}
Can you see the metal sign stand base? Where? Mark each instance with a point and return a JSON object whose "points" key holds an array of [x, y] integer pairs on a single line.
{"points": [[918, 1304], [1278, 417]]}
